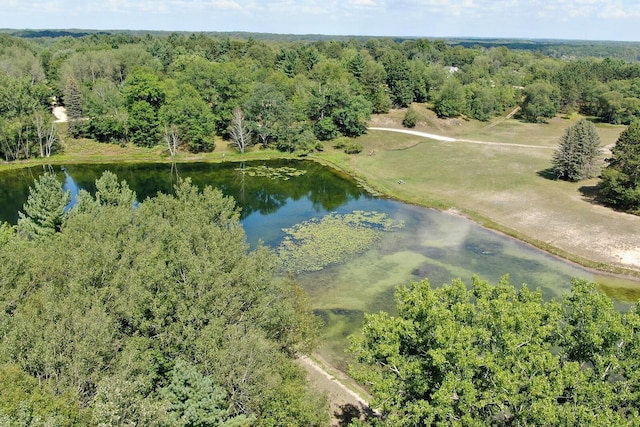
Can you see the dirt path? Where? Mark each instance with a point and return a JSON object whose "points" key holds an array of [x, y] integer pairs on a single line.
{"points": [[449, 139], [345, 403], [60, 113]]}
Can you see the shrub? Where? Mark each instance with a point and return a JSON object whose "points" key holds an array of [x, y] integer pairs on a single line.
{"points": [[410, 118], [341, 142], [353, 148]]}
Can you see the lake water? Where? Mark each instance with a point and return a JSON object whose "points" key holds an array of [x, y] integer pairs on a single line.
{"points": [[432, 244]]}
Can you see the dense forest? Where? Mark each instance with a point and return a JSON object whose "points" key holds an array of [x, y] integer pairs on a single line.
{"points": [[153, 313], [190, 91]]}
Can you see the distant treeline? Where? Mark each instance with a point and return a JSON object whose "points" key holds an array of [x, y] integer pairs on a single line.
{"points": [[558, 48]]}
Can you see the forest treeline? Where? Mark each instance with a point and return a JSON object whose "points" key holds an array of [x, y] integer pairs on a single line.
{"points": [[196, 90]]}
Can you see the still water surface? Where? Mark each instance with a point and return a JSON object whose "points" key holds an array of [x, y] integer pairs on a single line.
{"points": [[432, 244]]}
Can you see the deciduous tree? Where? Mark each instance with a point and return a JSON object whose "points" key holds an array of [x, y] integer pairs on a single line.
{"points": [[494, 355], [239, 130], [541, 102]]}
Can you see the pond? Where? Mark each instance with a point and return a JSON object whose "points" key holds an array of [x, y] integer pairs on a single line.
{"points": [[277, 195]]}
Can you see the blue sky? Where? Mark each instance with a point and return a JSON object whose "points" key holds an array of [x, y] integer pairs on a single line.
{"points": [[560, 19]]}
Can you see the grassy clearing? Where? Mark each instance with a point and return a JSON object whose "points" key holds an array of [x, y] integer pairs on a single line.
{"points": [[502, 187]]}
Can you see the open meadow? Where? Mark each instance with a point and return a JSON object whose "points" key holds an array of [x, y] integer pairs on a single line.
{"points": [[496, 173]]}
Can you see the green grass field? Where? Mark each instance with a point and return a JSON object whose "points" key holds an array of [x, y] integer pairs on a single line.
{"points": [[503, 186]]}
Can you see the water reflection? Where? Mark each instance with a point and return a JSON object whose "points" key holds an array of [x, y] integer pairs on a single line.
{"points": [[73, 189]]}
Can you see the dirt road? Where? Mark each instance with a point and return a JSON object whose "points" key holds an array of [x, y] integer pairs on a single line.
{"points": [[448, 139], [345, 403]]}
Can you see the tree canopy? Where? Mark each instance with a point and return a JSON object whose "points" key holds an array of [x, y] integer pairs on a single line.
{"points": [[620, 183], [149, 313], [494, 355], [184, 88]]}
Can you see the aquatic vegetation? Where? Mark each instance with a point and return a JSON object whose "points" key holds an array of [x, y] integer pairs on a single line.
{"points": [[283, 172], [314, 244]]}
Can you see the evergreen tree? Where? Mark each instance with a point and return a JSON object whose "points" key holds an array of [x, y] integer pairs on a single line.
{"points": [[576, 155], [620, 184], [44, 209], [195, 401], [73, 104]]}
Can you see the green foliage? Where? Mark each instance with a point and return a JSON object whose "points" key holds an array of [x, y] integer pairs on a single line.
{"points": [[113, 129], [452, 101], [314, 244], [110, 192], [325, 129], [620, 184], [335, 108], [24, 401], [191, 117], [541, 102], [353, 148], [287, 87], [102, 311], [120, 401], [100, 78], [144, 126], [341, 142], [267, 109], [143, 85], [195, 401], [575, 157], [494, 355], [143, 95], [44, 209], [410, 118], [398, 78], [484, 103], [6, 232]]}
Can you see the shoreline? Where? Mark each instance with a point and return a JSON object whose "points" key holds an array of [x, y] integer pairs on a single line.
{"points": [[598, 267]]}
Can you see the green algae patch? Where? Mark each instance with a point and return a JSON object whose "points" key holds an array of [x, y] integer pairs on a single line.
{"points": [[333, 239], [283, 173]]}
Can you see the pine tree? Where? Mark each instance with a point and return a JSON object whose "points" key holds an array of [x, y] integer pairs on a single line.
{"points": [[73, 105], [577, 152], [620, 185], [44, 210]]}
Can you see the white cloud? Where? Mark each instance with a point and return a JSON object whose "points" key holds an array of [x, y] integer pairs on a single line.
{"points": [[226, 4], [365, 3], [50, 6], [611, 19]]}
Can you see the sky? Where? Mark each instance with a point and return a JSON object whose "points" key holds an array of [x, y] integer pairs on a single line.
{"points": [[540, 19]]}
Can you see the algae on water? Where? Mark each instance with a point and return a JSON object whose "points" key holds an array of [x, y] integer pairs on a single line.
{"points": [[335, 238], [283, 172]]}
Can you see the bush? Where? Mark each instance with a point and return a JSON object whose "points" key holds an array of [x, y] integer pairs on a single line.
{"points": [[353, 148], [410, 118], [341, 142]]}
